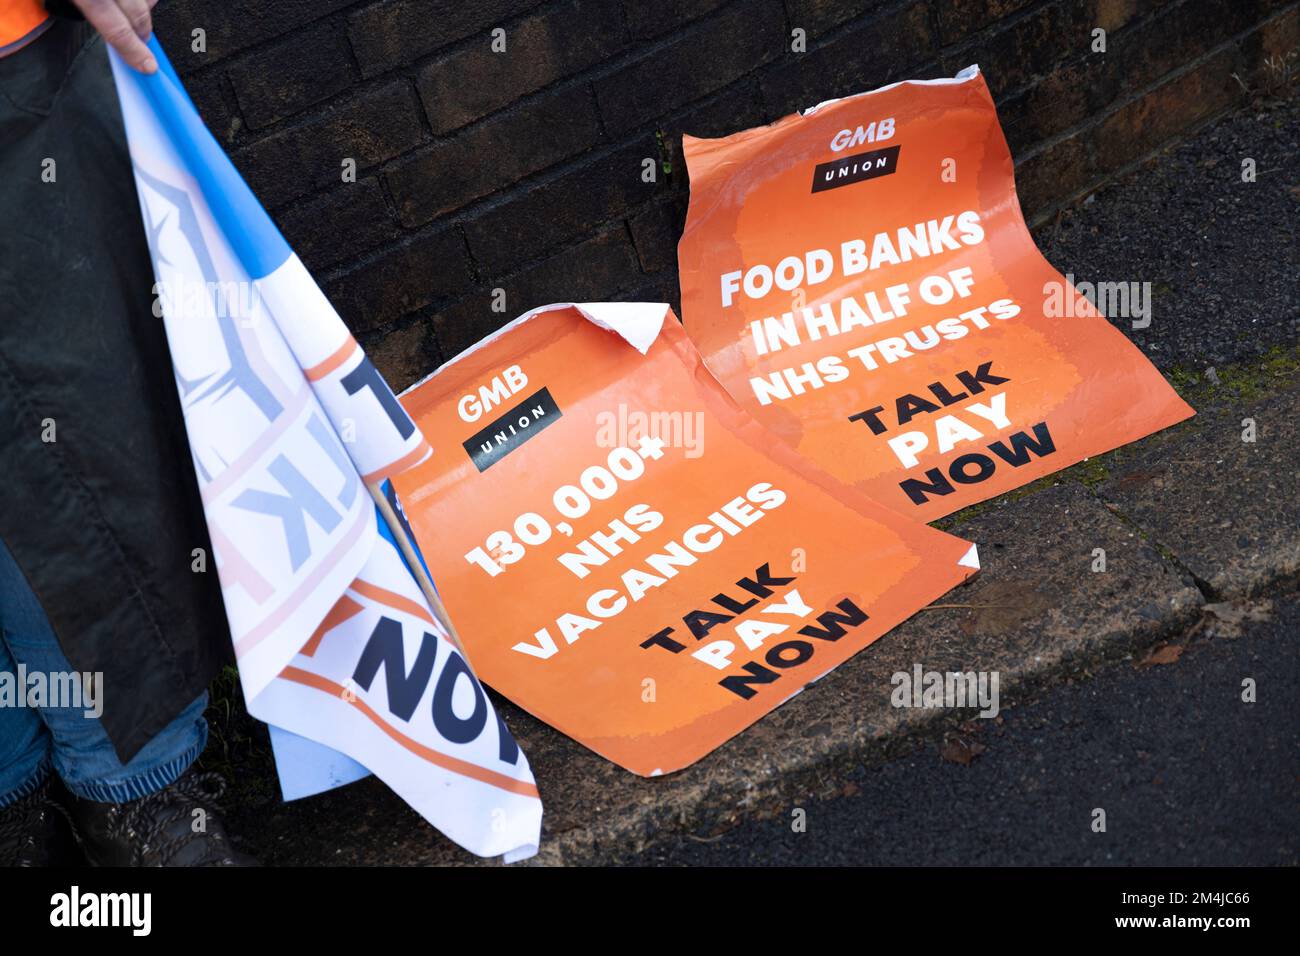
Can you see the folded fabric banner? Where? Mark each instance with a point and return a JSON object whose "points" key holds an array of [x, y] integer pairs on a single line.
{"points": [[292, 431], [628, 554], [861, 279]]}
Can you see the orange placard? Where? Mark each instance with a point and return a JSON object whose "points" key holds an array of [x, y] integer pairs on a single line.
{"points": [[861, 279], [628, 555]]}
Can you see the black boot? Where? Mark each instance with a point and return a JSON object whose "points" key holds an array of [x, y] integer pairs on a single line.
{"points": [[35, 831], [177, 826]]}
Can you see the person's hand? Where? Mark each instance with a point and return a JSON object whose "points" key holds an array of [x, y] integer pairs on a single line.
{"points": [[125, 26]]}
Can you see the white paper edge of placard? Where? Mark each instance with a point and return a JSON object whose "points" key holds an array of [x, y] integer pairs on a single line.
{"points": [[637, 323], [971, 559], [969, 73]]}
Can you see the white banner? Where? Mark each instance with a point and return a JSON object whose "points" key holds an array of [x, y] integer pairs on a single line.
{"points": [[288, 424]]}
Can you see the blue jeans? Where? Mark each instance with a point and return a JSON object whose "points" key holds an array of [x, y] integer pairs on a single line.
{"points": [[64, 734]]}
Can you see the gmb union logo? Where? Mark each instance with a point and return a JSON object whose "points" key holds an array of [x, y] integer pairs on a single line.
{"points": [[514, 427], [854, 169]]}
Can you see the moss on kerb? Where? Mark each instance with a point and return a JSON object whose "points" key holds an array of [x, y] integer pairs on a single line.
{"points": [[1278, 368], [948, 522]]}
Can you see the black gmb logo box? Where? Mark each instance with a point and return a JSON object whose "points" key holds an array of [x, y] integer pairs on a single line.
{"points": [[855, 169], [511, 428]]}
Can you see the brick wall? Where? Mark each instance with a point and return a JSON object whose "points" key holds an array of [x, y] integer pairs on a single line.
{"points": [[523, 171]]}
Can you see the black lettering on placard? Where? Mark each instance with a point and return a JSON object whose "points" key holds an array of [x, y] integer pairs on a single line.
{"points": [[854, 169], [830, 627], [974, 467], [499, 438]]}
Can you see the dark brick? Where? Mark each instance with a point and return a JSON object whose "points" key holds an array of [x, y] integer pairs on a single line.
{"points": [[596, 269], [1061, 100], [294, 73], [818, 16], [650, 19], [659, 288], [655, 230], [551, 211], [738, 107], [472, 82], [217, 108], [1109, 15], [377, 125], [385, 35], [349, 218], [457, 327], [1053, 174], [856, 60], [229, 27], [1136, 56], [958, 19], [1012, 57], [492, 154], [1134, 28], [1179, 104], [602, 266], [705, 57], [707, 67], [405, 356], [401, 280], [1176, 37], [1265, 53], [1113, 15], [1279, 37]]}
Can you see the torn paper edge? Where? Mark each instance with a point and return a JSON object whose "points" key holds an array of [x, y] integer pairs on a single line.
{"points": [[971, 559], [969, 73], [637, 323]]}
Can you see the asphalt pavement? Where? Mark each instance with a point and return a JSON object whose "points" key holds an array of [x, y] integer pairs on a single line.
{"points": [[1188, 774]]}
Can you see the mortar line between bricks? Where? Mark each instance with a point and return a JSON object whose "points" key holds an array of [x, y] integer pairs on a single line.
{"points": [[246, 137], [884, 12], [994, 27], [481, 286], [589, 75], [610, 145], [416, 67], [451, 47], [1139, 22], [543, 177], [342, 15], [598, 152], [476, 273], [1096, 184], [936, 35], [1105, 179], [648, 52], [245, 52], [1095, 119]]}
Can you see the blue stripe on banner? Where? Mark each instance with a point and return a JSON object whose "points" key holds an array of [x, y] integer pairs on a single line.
{"points": [[389, 492], [165, 66], [249, 230]]}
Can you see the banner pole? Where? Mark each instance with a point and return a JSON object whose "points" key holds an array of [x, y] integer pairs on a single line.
{"points": [[416, 566]]}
